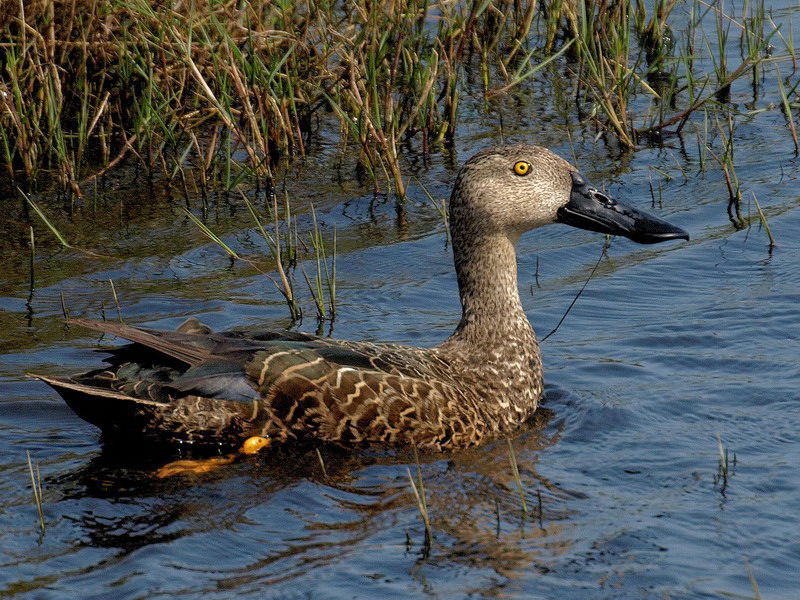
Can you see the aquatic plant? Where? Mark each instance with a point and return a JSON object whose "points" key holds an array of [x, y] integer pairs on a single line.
{"points": [[512, 457], [325, 276], [418, 489], [36, 486], [762, 217], [220, 91]]}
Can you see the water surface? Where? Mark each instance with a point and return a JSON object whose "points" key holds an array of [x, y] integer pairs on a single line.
{"points": [[669, 349]]}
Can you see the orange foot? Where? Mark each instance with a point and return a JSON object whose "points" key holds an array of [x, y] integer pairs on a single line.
{"points": [[252, 445]]}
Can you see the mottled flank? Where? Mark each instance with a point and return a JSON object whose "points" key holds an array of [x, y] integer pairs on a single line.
{"points": [[486, 379]]}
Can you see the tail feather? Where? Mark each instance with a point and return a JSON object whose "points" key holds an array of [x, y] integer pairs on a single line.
{"points": [[162, 341], [104, 407], [65, 383]]}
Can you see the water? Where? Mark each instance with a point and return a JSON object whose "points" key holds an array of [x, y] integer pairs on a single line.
{"points": [[669, 348]]}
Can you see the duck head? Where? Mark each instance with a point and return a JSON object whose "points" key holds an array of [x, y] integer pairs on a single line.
{"points": [[513, 189]]}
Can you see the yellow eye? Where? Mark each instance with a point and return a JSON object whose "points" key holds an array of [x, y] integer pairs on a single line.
{"points": [[522, 167]]}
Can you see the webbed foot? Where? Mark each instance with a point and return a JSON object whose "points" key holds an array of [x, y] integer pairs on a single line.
{"points": [[251, 445], [186, 467]]}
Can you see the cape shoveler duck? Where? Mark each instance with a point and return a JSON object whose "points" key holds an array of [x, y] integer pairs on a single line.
{"points": [[193, 384]]}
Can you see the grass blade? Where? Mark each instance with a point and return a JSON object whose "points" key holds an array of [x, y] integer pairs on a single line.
{"points": [[210, 234]]}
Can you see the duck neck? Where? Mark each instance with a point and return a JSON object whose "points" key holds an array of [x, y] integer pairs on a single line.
{"points": [[492, 315]]}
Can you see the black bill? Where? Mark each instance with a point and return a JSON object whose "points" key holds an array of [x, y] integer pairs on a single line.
{"points": [[589, 209]]}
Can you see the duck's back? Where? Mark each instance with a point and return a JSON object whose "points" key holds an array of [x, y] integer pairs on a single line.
{"points": [[196, 385]]}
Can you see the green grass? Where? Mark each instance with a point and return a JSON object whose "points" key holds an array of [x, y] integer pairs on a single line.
{"points": [[762, 217], [325, 275], [725, 464], [214, 93]]}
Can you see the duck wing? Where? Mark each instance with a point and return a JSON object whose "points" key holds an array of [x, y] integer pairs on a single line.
{"points": [[196, 385]]}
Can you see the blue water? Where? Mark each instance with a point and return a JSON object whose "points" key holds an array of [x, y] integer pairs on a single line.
{"points": [[669, 349]]}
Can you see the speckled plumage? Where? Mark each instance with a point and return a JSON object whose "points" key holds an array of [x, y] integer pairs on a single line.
{"points": [[486, 379]]}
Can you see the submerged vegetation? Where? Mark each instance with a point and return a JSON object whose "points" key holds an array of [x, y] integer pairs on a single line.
{"points": [[220, 91]]}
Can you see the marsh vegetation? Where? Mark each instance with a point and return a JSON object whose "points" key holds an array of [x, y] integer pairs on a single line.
{"points": [[209, 94], [204, 97], [288, 163]]}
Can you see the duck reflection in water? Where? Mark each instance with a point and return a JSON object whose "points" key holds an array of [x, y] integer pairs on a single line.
{"points": [[296, 510]]}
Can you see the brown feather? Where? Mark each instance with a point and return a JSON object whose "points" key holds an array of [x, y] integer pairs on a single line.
{"points": [[153, 339], [68, 384]]}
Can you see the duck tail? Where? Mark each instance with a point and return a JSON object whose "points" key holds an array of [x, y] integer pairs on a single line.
{"points": [[103, 407]]}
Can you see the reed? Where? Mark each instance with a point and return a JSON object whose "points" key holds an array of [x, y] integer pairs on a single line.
{"points": [[282, 241], [64, 309], [206, 231], [418, 489], [52, 228], [762, 217], [280, 252], [219, 92], [724, 465], [36, 486], [441, 208], [604, 42], [723, 458], [39, 213], [752, 578], [512, 457], [325, 276], [727, 164], [540, 508], [787, 106], [31, 271], [321, 463], [116, 301], [284, 284], [702, 143]]}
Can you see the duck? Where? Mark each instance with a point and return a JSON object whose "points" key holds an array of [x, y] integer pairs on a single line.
{"points": [[195, 385]]}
